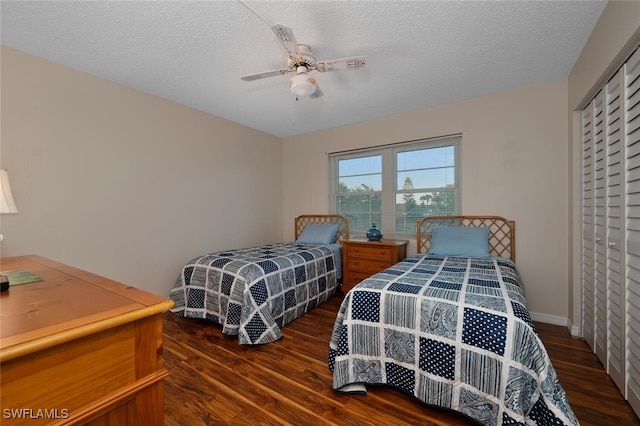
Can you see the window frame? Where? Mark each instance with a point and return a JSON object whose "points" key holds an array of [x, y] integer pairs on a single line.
{"points": [[389, 154]]}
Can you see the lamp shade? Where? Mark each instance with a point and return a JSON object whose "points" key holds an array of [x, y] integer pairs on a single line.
{"points": [[302, 84], [7, 205]]}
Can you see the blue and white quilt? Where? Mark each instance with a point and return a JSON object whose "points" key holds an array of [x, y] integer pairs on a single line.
{"points": [[453, 332], [254, 292]]}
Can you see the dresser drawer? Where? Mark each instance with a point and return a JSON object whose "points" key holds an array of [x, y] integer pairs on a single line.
{"points": [[370, 251]]}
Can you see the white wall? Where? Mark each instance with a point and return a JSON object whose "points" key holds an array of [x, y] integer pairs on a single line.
{"points": [[125, 184], [514, 164]]}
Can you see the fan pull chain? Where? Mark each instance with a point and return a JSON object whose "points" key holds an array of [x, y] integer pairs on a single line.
{"points": [[293, 112]]}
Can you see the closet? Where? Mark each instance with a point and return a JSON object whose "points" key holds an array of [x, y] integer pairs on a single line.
{"points": [[611, 228]]}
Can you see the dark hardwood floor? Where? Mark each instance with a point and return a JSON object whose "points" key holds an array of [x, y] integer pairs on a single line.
{"points": [[213, 380]]}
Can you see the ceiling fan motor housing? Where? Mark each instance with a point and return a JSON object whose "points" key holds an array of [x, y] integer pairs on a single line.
{"points": [[306, 59]]}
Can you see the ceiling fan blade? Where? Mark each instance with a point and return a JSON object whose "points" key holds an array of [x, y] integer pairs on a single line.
{"points": [[288, 40], [264, 75], [318, 93], [355, 63]]}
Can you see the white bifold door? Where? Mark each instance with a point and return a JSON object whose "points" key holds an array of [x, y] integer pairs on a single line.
{"points": [[611, 228]]}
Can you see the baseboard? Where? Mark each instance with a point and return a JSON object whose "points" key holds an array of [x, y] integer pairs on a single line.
{"points": [[555, 320], [576, 331]]}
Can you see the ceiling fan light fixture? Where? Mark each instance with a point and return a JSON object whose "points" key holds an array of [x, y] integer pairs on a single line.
{"points": [[302, 84]]}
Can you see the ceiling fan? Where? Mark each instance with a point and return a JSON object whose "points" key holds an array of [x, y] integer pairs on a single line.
{"points": [[301, 62]]}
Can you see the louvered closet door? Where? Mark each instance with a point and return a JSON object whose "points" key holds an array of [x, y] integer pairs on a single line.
{"points": [[600, 227], [632, 141], [611, 227], [588, 249], [615, 298]]}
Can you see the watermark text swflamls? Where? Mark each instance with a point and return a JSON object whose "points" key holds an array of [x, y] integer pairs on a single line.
{"points": [[35, 413]]}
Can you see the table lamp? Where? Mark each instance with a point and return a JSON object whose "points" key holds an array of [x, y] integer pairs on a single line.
{"points": [[7, 205]]}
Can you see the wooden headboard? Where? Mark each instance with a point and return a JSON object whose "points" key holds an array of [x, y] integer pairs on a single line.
{"points": [[342, 222], [502, 232]]}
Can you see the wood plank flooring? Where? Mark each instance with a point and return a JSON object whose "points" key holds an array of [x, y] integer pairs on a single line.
{"points": [[213, 380]]}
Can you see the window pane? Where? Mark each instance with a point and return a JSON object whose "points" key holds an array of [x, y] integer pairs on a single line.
{"points": [[361, 210], [426, 178], [426, 168], [395, 185], [363, 174], [411, 207], [362, 183]]}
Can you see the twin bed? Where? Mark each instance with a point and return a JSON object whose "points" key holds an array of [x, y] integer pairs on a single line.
{"points": [[451, 328], [254, 292], [448, 325]]}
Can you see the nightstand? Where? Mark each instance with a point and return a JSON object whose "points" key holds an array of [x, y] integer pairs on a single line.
{"points": [[362, 258]]}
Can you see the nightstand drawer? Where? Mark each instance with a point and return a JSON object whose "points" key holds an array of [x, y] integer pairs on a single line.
{"points": [[370, 251], [362, 258], [369, 266], [354, 277]]}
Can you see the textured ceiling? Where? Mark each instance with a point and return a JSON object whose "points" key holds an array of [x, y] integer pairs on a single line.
{"points": [[419, 53]]}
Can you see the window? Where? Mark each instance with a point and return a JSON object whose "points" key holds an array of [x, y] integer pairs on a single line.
{"points": [[395, 185]]}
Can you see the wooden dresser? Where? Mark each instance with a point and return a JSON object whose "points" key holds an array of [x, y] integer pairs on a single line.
{"points": [[77, 348], [362, 258]]}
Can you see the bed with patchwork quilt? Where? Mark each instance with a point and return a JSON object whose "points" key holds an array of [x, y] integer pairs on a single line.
{"points": [[254, 292], [451, 327]]}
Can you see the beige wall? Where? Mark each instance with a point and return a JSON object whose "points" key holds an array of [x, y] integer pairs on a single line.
{"points": [[514, 164], [131, 186], [613, 39], [124, 184]]}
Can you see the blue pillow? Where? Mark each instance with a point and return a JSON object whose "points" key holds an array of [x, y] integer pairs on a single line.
{"points": [[459, 241], [318, 233]]}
